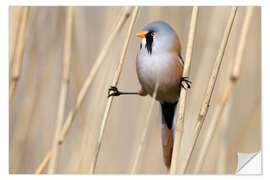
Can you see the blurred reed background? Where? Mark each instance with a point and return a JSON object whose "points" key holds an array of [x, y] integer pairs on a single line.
{"points": [[38, 40]]}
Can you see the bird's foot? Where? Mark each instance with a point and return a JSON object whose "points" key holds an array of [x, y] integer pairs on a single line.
{"points": [[113, 91], [187, 82]]}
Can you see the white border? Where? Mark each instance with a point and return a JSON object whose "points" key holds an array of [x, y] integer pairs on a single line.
{"points": [[138, 2], [4, 74], [4, 88]]}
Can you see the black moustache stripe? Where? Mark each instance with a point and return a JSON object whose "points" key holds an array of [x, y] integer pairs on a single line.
{"points": [[149, 42]]}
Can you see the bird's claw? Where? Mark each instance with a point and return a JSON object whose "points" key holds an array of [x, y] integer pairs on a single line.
{"points": [[113, 91], [187, 82]]}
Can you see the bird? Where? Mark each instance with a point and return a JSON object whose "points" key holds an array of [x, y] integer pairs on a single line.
{"points": [[159, 61]]}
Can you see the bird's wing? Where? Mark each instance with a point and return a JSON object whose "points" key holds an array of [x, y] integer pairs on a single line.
{"points": [[181, 61], [180, 65]]}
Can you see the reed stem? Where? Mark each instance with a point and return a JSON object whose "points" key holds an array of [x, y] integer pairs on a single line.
{"points": [[17, 60], [109, 102], [143, 136], [92, 74], [87, 84], [183, 93], [64, 87], [208, 94], [227, 92]]}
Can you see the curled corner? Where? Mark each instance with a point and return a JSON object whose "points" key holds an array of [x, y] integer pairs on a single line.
{"points": [[249, 163]]}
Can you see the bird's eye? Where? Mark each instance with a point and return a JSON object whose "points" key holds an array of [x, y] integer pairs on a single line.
{"points": [[153, 33]]}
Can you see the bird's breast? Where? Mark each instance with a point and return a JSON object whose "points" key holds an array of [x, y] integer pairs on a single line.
{"points": [[161, 68]]}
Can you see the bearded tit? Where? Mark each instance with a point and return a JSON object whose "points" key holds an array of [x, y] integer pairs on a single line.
{"points": [[159, 61]]}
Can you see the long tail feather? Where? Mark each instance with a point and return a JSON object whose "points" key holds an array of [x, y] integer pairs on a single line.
{"points": [[167, 121]]}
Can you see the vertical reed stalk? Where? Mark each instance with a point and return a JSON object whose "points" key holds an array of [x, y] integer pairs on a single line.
{"points": [[89, 129], [142, 140], [109, 102], [208, 94], [227, 92], [180, 120], [16, 15], [92, 74], [87, 84], [64, 87], [16, 61]]}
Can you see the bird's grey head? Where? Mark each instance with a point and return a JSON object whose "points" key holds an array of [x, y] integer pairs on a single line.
{"points": [[158, 36]]}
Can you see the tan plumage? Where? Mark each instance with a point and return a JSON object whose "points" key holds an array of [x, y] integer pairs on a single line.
{"points": [[168, 147]]}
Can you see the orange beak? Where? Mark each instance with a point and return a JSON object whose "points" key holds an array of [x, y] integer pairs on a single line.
{"points": [[141, 34]]}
